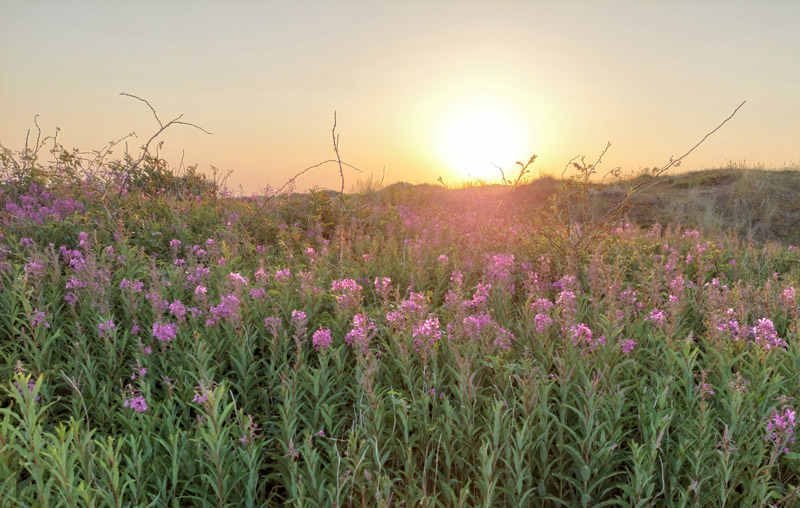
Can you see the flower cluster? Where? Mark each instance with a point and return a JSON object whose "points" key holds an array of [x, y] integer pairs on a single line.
{"points": [[227, 310], [361, 334], [499, 269], [780, 428], [582, 338], [165, 332], [628, 345], [425, 337], [321, 340], [105, 329], [764, 335], [348, 294], [39, 317], [656, 317]]}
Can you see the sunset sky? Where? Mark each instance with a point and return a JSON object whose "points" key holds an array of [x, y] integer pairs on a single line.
{"points": [[422, 89]]}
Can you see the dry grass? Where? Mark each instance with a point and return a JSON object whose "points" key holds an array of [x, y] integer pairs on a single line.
{"points": [[751, 202]]}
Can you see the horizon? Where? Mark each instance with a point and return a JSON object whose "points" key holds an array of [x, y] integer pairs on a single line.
{"points": [[423, 90]]}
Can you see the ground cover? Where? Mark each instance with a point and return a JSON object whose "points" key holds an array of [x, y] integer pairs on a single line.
{"points": [[162, 344]]}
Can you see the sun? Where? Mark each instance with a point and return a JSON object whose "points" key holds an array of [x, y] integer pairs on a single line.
{"points": [[473, 139]]}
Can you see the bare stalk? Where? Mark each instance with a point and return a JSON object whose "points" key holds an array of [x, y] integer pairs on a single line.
{"points": [[511, 185], [341, 192]]}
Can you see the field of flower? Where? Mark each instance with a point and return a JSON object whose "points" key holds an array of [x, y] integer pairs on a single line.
{"points": [[162, 345]]}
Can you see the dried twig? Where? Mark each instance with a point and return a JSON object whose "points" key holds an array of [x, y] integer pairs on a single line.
{"points": [[341, 192], [291, 181], [342, 164], [511, 185], [146, 149], [646, 184]]}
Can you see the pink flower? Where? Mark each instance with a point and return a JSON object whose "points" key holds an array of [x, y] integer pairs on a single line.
{"points": [[273, 324], [137, 403], [542, 305], [542, 322], [39, 317], [499, 268], [425, 336], [362, 332], [238, 278], [322, 339], [382, 286], [299, 319], [582, 337], [503, 339], [480, 297], [203, 393], [283, 275], [566, 300], [347, 292], [105, 328], [788, 295], [764, 335], [177, 309], [628, 346], [780, 427], [657, 317], [474, 325], [165, 332]]}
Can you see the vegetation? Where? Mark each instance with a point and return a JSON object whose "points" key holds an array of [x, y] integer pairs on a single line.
{"points": [[165, 344]]}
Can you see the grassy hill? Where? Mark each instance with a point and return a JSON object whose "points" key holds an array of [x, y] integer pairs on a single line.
{"points": [[756, 203]]}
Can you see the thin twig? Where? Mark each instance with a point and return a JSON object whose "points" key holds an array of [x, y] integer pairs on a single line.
{"points": [[512, 186], [146, 149], [502, 173], [599, 159], [646, 184], [341, 193], [148, 105], [291, 181]]}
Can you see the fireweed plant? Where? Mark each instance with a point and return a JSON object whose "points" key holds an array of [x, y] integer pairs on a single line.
{"points": [[170, 354]]}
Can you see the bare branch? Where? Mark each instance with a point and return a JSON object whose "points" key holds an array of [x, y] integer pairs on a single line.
{"points": [[599, 160], [502, 173], [39, 132], [676, 162], [148, 105], [292, 180], [146, 149], [651, 181], [568, 164], [511, 185], [289, 182], [341, 193]]}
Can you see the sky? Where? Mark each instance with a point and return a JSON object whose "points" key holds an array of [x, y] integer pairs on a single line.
{"points": [[421, 90]]}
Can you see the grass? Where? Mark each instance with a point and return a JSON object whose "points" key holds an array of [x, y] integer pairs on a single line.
{"points": [[162, 349], [749, 202]]}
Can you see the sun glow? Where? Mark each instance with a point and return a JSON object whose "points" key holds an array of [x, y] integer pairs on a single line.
{"points": [[475, 138]]}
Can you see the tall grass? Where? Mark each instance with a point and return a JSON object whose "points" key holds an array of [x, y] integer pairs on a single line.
{"points": [[167, 352]]}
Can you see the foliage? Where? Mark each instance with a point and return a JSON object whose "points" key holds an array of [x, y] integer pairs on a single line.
{"points": [[169, 354]]}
